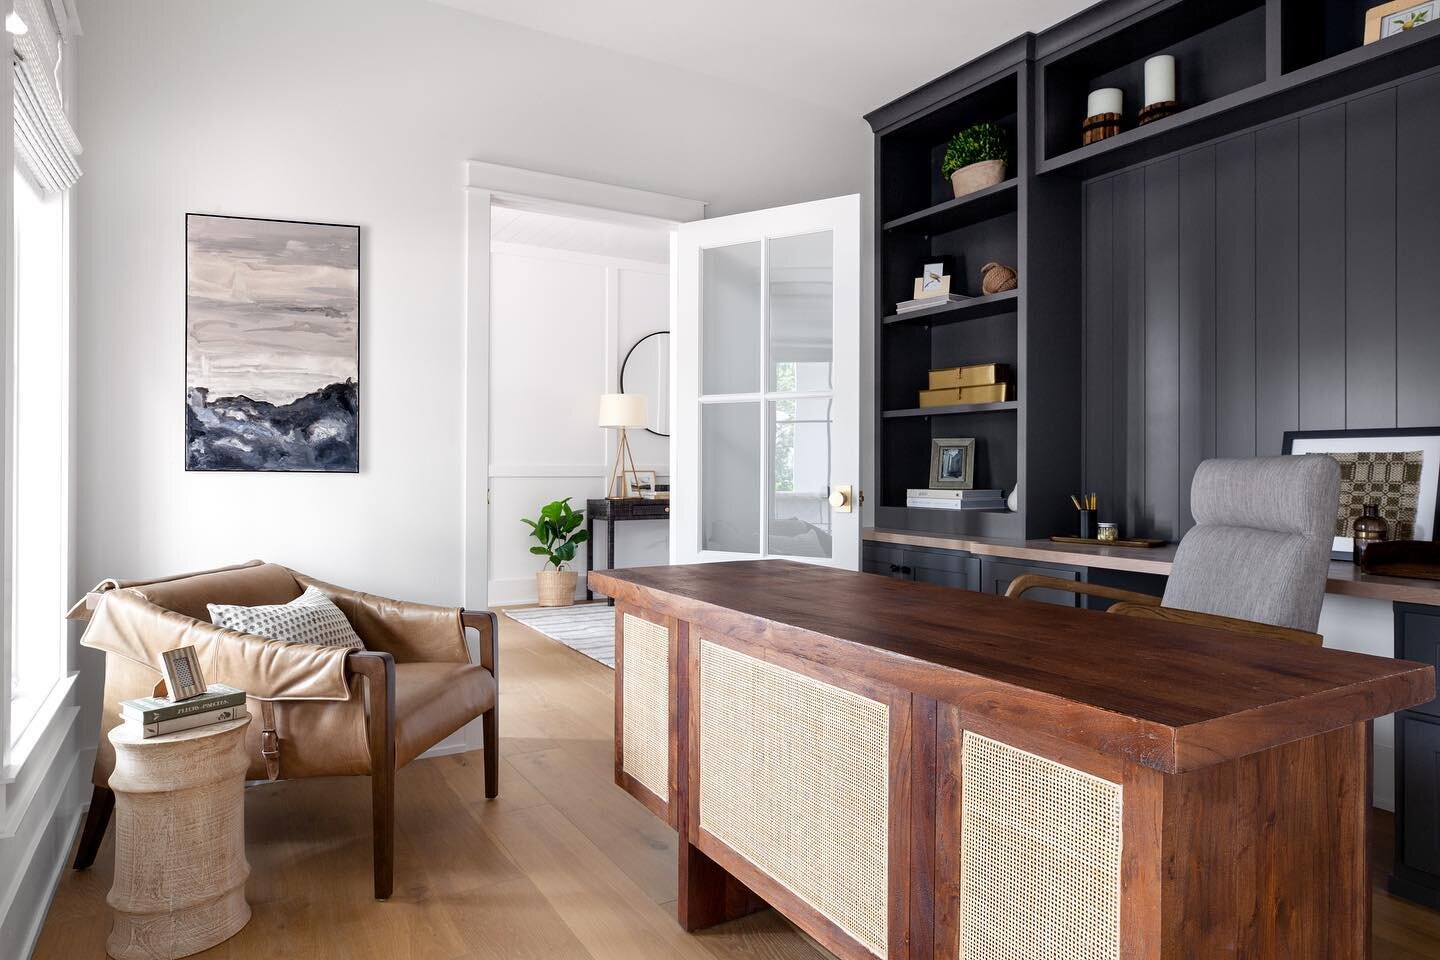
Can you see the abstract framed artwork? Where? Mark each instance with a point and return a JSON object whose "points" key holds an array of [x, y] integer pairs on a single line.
{"points": [[1399, 469], [272, 345]]}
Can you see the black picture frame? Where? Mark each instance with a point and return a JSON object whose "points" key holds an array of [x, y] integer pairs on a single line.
{"points": [[1287, 448], [359, 337]]}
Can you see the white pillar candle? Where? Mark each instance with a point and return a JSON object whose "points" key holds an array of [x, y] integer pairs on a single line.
{"points": [[1106, 100], [1159, 79]]}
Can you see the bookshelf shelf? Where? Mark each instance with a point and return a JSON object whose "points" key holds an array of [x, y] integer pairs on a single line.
{"points": [[950, 214], [987, 306], [952, 409]]}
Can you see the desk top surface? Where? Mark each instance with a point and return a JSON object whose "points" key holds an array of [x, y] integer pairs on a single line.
{"points": [[1343, 578], [1171, 696]]}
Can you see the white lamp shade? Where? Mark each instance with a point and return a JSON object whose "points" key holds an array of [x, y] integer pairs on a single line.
{"points": [[622, 410]]}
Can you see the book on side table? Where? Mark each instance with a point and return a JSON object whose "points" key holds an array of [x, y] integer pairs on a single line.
{"points": [[157, 716]]}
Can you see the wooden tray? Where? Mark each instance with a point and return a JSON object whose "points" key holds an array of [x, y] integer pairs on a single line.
{"points": [[1122, 542]]}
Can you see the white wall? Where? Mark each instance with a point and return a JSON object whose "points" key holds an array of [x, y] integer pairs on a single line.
{"points": [[354, 111], [560, 323]]}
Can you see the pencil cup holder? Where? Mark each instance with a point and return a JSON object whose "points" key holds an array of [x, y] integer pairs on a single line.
{"points": [[1087, 524]]}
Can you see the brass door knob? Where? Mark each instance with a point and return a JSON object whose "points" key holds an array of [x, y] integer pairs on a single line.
{"points": [[840, 499]]}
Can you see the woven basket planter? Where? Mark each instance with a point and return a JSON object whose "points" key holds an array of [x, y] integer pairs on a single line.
{"points": [[556, 587], [977, 176]]}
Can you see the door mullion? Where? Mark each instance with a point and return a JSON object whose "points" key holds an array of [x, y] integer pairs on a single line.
{"points": [[767, 481]]}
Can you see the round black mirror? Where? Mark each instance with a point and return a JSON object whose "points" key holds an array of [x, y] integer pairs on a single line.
{"points": [[646, 370]]}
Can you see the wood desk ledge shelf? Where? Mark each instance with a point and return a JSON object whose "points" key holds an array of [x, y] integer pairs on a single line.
{"points": [[894, 731]]}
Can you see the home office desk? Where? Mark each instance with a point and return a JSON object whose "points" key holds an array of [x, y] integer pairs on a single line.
{"points": [[614, 511], [911, 772]]}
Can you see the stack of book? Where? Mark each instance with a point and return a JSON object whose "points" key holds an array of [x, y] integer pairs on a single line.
{"points": [[157, 716], [976, 383], [955, 499], [925, 303]]}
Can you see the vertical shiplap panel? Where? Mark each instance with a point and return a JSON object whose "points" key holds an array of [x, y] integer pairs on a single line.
{"points": [[1129, 315], [1277, 355], [1417, 280], [1162, 346], [1196, 432], [1371, 270], [1102, 425], [1235, 296], [1322, 269]]}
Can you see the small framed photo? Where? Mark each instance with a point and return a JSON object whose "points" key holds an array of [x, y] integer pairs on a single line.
{"points": [[642, 484], [1401, 16], [952, 463], [183, 678]]}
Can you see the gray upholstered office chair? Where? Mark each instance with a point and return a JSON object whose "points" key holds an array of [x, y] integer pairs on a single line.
{"points": [[1257, 557]]}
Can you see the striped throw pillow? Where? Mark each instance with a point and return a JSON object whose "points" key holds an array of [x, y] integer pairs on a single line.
{"points": [[309, 618]]}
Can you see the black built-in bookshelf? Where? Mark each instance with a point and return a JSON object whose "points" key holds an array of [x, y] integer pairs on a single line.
{"points": [[1241, 64]]}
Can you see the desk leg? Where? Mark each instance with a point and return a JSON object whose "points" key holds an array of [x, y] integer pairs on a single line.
{"points": [[708, 894], [610, 550], [589, 554]]}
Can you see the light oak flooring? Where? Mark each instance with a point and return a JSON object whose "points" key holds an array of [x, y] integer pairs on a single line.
{"points": [[563, 865]]}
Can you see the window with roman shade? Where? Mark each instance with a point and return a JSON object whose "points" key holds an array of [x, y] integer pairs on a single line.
{"points": [[46, 148]]}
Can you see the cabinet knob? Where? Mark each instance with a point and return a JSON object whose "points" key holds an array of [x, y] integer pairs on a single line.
{"points": [[840, 499]]}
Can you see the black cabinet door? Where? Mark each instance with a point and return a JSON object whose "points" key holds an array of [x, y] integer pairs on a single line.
{"points": [[1417, 637], [884, 559], [995, 577], [1419, 749], [947, 568]]}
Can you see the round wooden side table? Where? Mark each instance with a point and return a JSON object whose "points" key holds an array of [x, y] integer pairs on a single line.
{"points": [[180, 863]]}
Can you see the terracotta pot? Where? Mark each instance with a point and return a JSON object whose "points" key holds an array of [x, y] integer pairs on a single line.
{"points": [[977, 176], [556, 587]]}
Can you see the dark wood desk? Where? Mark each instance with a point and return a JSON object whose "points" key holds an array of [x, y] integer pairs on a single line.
{"points": [[839, 745], [613, 512]]}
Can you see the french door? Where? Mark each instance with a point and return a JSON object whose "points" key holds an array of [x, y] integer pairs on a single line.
{"points": [[766, 340]]}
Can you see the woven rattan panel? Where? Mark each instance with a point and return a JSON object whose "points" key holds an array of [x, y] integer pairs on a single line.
{"points": [[645, 693], [1039, 860], [794, 777]]}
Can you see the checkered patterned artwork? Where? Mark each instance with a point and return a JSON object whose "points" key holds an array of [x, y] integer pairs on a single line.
{"points": [[1389, 478]]}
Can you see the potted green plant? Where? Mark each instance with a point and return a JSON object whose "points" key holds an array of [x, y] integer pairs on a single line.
{"points": [[559, 533], [975, 158]]}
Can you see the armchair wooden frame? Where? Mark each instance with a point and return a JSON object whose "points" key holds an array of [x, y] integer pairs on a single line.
{"points": [[377, 668], [1143, 605]]}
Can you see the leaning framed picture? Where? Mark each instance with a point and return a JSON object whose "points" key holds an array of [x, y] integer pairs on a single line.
{"points": [[1400, 16], [952, 463], [272, 345], [1399, 469]]}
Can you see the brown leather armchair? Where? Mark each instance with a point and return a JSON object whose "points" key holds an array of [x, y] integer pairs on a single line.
{"points": [[335, 711]]}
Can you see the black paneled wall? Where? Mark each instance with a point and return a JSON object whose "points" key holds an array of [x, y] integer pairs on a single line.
{"points": [[1287, 278]]}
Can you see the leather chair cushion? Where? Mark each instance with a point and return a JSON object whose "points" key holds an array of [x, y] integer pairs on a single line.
{"points": [[245, 587], [433, 700]]}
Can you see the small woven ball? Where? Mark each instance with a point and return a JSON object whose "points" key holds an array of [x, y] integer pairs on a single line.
{"points": [[997, 278]]}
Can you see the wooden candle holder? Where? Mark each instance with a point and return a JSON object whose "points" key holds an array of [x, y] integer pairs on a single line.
{"points": [[1099, 127], [1158, 111]]}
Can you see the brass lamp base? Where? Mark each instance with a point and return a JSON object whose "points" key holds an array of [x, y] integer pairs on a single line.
{"points": [[624, 466]]}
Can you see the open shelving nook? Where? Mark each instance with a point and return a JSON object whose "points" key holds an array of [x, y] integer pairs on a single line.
{"points": [[1239, 64]]}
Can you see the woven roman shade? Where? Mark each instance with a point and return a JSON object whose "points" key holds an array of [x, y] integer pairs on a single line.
{"points": [[45, 143]]}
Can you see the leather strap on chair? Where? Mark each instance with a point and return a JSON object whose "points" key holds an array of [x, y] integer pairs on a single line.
{"points": [[269, 740]]}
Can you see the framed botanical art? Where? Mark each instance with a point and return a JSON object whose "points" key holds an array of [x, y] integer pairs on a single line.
{"points": [[1400, 16], [1399, 469], [272, 345]]}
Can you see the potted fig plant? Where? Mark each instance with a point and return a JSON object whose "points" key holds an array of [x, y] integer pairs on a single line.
{"points": [[559, 533], [975, 158]]}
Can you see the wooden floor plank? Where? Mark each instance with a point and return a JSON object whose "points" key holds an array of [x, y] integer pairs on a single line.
{"points": [[562, 866]]}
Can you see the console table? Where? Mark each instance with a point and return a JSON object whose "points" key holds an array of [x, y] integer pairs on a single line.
{"points": [[613, 512], [912, 772]]}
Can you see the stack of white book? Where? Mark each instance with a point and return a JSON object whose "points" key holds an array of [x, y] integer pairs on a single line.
{"points": [[925, 303], [157, 716], [955, 499]]}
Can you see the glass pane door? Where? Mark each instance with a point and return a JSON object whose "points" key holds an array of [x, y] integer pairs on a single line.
{"points": [[766, 333]]}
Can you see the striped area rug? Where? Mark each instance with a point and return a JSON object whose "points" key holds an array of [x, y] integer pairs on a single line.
{"points": [[588, 628]]}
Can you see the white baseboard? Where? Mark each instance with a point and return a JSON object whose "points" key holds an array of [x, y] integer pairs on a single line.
{"points": [[521, 590]]}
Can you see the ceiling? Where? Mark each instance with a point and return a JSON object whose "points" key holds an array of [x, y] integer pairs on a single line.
{"points": [[848, 55], [535, 228]]}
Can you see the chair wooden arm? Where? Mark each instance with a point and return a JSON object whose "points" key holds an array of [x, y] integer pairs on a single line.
{"points": [[487, 625], [1033, 581], [1213, 620], [378, 669]]}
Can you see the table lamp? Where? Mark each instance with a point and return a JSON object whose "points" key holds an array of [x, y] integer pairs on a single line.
{"points": [[619, 411]]}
